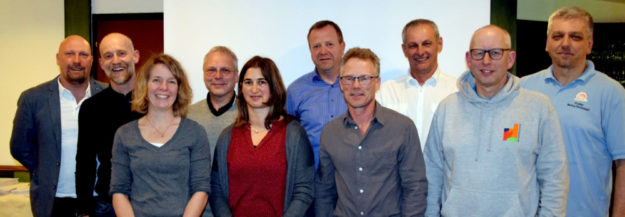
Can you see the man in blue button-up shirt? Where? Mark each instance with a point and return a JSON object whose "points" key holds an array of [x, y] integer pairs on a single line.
{"points": [[316, 98]]}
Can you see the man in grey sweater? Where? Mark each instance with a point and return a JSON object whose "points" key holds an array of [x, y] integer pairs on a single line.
{"points": [[217, 111], [494, 148]]}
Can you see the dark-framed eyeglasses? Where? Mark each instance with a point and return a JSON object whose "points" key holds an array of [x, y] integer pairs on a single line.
{"points": [[363, 79], [495, 53]]}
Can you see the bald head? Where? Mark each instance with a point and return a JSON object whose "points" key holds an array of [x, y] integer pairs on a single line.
{"points": [[492, 30], [117, 59], [74, 60], [116, 38], [74, 41]]}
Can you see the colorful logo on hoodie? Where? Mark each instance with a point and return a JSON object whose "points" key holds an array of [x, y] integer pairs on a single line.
{"points": [[511, 135]]}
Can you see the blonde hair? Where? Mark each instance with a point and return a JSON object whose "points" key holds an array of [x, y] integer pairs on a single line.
{"points": [[140, 102]]}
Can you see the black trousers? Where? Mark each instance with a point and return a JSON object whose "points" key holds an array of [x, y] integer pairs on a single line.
{"points": [[64, 207]]}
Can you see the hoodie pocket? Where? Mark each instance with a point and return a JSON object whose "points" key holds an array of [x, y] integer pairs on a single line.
{"points": [[464, 203]]}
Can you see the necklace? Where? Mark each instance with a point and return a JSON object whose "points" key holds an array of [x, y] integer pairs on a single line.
{"points": [[257, 131], [161, 133]]}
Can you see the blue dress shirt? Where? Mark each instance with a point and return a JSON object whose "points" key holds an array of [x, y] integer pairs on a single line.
{"points": [[315, 103]]}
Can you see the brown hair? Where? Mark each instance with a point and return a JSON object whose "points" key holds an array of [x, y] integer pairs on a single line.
{"points": [[324, 23], [276, 101], [140, 102]]}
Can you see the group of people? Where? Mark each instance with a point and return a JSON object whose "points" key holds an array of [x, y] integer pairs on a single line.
{"points": [[336, 142]]}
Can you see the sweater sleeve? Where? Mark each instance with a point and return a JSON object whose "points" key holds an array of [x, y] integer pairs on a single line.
{"points": [[86, 158], [200, 161], [302, 195], [434, 168], [551, 166], [219, 176], [121, 177]]}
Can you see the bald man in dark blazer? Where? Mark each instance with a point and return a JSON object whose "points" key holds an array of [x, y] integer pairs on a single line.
{"points": [[36, 141]]}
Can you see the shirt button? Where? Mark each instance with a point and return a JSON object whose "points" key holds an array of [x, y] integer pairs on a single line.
{"points": [[331, 100], [362, 213], [362, 190], [360, 169], [355, 127], [359, 147], [332, 116], [58, 163]]}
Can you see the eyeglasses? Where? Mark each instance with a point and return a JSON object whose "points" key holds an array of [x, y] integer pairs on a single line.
{"points": [[495, 53], [363, 79], [223, 71]]}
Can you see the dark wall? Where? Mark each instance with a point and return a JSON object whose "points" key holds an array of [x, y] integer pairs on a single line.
{"points": [[608, 51], [531, 55], [503, 13], [145, 30]]}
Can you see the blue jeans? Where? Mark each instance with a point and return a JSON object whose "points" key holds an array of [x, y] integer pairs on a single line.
{"points": [[104, 209]]}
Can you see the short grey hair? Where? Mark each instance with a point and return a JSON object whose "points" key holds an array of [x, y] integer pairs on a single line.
{"points": [[572, 12], [227, 51], [418, 22]]}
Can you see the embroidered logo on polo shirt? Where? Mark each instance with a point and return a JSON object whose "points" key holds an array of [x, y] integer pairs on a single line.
{"points": [[511, 135], [580, 99]]}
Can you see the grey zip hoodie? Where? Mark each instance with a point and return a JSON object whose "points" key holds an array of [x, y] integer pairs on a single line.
{"points": [[502, 156]]}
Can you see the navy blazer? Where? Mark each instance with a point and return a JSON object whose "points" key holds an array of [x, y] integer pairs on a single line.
{"points": [[36, 141]]}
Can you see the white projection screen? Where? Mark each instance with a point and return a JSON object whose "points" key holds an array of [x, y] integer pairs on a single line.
{"points": [[277, 29]]}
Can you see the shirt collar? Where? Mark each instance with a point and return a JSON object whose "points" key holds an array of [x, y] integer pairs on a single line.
{"points": [[222, 110], [64, 92], [584, 77], [432, 81], [378, 117], [318, 80]]}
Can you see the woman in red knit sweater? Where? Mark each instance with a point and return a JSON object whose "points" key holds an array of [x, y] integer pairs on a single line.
{"points": [[263, 162]]}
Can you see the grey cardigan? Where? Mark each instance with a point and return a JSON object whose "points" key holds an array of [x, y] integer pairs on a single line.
{"points": [[299, 175]]}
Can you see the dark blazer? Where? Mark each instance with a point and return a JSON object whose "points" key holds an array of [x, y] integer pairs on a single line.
{"points": [[36, 141], [299, 173]]}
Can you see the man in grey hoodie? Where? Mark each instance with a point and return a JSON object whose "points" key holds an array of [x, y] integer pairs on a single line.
{"points": [[495, 149]]}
